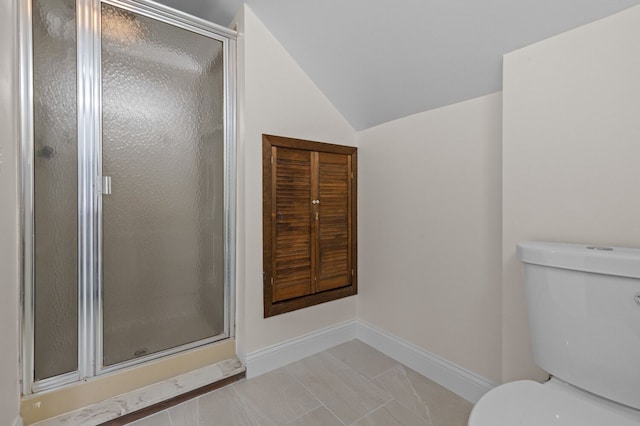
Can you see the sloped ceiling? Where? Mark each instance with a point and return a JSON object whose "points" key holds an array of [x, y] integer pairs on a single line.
{"points": [[379, 60]]}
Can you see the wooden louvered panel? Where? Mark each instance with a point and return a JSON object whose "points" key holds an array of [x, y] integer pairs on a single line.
{"points": [[292, 249], [334, 239], [309, 223]]}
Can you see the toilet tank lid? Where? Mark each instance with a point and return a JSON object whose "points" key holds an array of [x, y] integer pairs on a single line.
{"points": [[620, 261]]}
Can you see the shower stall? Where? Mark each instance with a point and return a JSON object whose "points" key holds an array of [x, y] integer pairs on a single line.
{"points": [[128, 186]]}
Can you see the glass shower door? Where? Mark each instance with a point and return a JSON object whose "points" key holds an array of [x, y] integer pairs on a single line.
{"points": [[163, 159], [55, 191], [128, 183]]}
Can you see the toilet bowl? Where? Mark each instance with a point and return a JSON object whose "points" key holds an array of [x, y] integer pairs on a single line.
{"points": [[583, 304], [555, 403]]}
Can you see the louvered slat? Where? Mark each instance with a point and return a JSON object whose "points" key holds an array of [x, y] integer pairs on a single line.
{"points": [[334, 239], [292, 254]]}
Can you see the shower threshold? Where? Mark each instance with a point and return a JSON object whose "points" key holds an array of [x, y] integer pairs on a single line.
{"points": [[163, 382]]}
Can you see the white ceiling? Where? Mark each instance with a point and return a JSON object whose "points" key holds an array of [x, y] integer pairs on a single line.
{"points": [[379, 60]]}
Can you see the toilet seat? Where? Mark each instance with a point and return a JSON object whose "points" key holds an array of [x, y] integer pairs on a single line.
{"points": [[555, 403]]}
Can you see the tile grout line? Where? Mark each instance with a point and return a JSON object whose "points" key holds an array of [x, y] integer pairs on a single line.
{"points": [[385, 390], [418, 415], [246, 404], [361, 375], [321, 404], [366, 379], [195, 401], [418, 397], [294, 379], [385, 371], [371, 412], [307, 412], [314, 395]]}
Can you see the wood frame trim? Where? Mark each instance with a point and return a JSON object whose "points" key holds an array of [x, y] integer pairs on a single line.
{"points": [[268, 143]]}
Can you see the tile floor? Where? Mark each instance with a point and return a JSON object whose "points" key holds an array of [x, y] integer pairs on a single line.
{"points": [[350, 384]]}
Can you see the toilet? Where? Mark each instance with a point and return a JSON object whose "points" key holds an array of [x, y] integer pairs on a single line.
{"points": [[584, 314]]}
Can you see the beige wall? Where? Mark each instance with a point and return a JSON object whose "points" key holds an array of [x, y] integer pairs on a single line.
{"points": [[571, 165], [429, 238], [277, 98], [9, 392]]}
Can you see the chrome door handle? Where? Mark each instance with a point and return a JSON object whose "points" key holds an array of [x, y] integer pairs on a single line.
{"points": [[106, 185]]}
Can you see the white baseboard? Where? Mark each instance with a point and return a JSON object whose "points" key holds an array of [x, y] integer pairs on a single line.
{"points": [[18, 421], [292, 350], [459, 380]]}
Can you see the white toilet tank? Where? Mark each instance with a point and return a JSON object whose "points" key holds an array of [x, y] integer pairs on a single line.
{"points": [[584, 314]]}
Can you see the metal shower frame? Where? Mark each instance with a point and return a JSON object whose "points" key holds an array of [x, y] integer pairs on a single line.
{"points": [[89, 121]]}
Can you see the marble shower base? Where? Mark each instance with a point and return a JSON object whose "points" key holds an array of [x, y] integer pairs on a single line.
{"points": [[130, 402]]}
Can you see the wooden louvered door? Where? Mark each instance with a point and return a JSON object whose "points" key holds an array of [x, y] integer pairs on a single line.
{"points": [[293, 259], [334, 221], [309, 210]]}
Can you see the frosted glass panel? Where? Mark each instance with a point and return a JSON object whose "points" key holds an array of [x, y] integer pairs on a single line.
{"points": [[55, 188], [163, 222]]}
